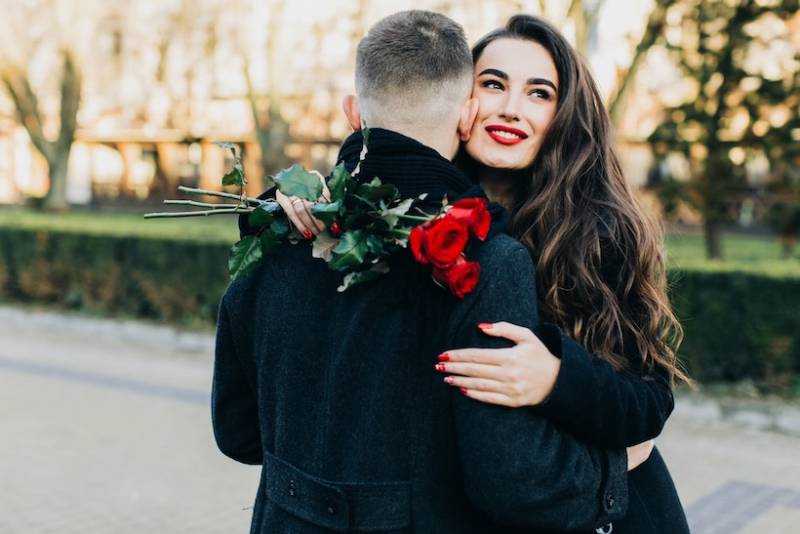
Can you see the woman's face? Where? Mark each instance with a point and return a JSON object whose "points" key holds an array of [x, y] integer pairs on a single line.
{"points": [[516, 84]]}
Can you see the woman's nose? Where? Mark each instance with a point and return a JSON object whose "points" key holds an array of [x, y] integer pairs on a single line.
{"points": [[510, 108]]}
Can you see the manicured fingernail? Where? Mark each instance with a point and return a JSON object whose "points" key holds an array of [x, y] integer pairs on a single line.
{"points": [[444, 357], [449, 379], [440, 367], [307, 234], [484, 326], [463, 390]]}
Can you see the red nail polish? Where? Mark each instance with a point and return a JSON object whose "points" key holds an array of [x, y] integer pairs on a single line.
{"points": [[463, 390], [484, 326], [440, 367], [444, 357], [449, 379], [307, 234]]}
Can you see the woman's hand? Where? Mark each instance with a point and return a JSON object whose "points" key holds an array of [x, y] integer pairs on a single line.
{"points": [[523, 375], [638, 454], [299, 212]]}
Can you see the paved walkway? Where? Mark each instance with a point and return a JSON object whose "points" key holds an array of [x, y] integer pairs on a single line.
{"points": [[106, 429]]}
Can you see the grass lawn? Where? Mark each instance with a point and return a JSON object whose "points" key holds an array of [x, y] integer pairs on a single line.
{"points": [[748, 253], [684, 251], [217, 228]]}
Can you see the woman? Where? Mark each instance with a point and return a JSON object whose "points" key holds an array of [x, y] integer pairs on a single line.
{"points": [[541, 146]]}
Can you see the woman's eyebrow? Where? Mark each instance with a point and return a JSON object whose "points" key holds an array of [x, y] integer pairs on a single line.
{"points": [[542, 81], [499, 73], [531, 81]]}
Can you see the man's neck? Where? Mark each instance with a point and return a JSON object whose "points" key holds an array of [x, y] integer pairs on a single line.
{"points": [[445, 143]]}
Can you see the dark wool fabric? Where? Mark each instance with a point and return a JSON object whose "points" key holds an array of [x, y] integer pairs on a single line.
{"points": [[336, 396], [611, 409]]}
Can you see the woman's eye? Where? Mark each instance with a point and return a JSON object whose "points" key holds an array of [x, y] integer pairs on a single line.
{"points": [[541, 93], [492, 84]]}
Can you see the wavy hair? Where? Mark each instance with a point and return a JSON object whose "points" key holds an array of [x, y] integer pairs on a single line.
{"points": [[600, 263]]}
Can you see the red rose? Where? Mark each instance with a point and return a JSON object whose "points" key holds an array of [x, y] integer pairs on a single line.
{"points": [[473, 213], [460, 278], [439, 242]]}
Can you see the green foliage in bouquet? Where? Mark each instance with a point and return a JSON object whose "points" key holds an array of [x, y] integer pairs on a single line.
{"points": [[367, 221]]}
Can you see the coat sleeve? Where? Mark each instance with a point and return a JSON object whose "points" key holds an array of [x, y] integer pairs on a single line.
{"points": [[518, 467], [234, 411], [598, 404]]}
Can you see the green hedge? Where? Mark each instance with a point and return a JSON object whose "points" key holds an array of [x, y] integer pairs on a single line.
{"points": [[738, 325], [175, 281]]}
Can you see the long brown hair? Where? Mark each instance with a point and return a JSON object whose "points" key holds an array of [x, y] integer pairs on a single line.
{"points": [[599, 259]]}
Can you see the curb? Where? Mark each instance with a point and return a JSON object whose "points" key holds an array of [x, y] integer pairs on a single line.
{"points": [[753, 414]]}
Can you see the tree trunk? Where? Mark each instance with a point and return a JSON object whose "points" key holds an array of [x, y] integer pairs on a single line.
{"points": [[713, 236], [56, 199]]}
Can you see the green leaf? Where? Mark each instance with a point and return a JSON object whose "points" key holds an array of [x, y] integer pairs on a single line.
{"points": [[338, 182], [350, 252], [323, 246], [269, 242], [375, 245], [235, 177], [326, 213], [280, 227], [261, 216], [244, 257], [376, 191], [360, 277], [392, 215], [365, 134], [298, 182]]}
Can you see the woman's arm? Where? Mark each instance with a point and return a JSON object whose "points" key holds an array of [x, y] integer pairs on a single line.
{"points": [[565, 383]]}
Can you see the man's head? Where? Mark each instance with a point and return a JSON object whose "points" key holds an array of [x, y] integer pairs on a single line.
{"points": [[414, 76]]}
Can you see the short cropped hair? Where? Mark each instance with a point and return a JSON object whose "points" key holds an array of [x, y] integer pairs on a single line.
{"points": [[412, 65]]}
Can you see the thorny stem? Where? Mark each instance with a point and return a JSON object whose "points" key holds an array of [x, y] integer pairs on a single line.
{"points": [[195, 191], [196, 213], [201, 204]]}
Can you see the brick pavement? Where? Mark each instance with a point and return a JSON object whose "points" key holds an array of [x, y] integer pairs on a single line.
{"points": [[106, 430]]}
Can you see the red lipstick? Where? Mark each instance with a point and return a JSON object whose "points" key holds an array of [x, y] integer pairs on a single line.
{"points": [[494, 131]]}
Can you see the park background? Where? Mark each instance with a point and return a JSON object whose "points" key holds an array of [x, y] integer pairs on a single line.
{"points": [[106, 107]]}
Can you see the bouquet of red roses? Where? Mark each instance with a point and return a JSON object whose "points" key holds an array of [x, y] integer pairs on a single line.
{"points": [[442, 240], [367, 223]]}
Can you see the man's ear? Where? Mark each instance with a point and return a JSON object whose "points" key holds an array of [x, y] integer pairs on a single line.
{"points": [[352, 112], [468, 114]]}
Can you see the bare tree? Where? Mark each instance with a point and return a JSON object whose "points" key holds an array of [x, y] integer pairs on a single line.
{"points": [[652, 34], [16, 80]]}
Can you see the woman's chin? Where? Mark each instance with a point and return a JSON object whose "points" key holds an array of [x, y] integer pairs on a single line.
{"points": [[504, 164]]}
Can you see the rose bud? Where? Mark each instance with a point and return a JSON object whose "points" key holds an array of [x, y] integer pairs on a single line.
{"points": [[461, 278], [473, 213]]}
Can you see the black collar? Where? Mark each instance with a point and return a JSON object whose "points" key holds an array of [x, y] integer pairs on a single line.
{"points": [[405, 163]]}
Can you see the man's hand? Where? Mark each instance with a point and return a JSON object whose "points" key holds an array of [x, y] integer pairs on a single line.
{"points": [[638, 454]]}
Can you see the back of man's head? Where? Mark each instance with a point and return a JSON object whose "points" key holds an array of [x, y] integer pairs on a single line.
{"points": [[413, 72]]}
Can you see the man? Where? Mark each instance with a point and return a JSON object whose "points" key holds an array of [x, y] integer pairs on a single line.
{"points": [[336, 395]]}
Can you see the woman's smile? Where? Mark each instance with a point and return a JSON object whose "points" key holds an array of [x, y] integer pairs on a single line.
{"points": [[505, 135]]}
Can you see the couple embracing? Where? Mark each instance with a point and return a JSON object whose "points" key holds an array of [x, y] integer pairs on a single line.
{"points": [[529, 405]]}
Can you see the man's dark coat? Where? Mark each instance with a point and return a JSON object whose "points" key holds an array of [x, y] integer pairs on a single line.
{"points": [[336, 395]]}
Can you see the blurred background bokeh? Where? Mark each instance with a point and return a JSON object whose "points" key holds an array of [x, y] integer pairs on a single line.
{"points": [[107, 106]]}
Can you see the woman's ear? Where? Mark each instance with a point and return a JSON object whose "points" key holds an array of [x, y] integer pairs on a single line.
{"points": [[352, 112], [468, 114]]}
